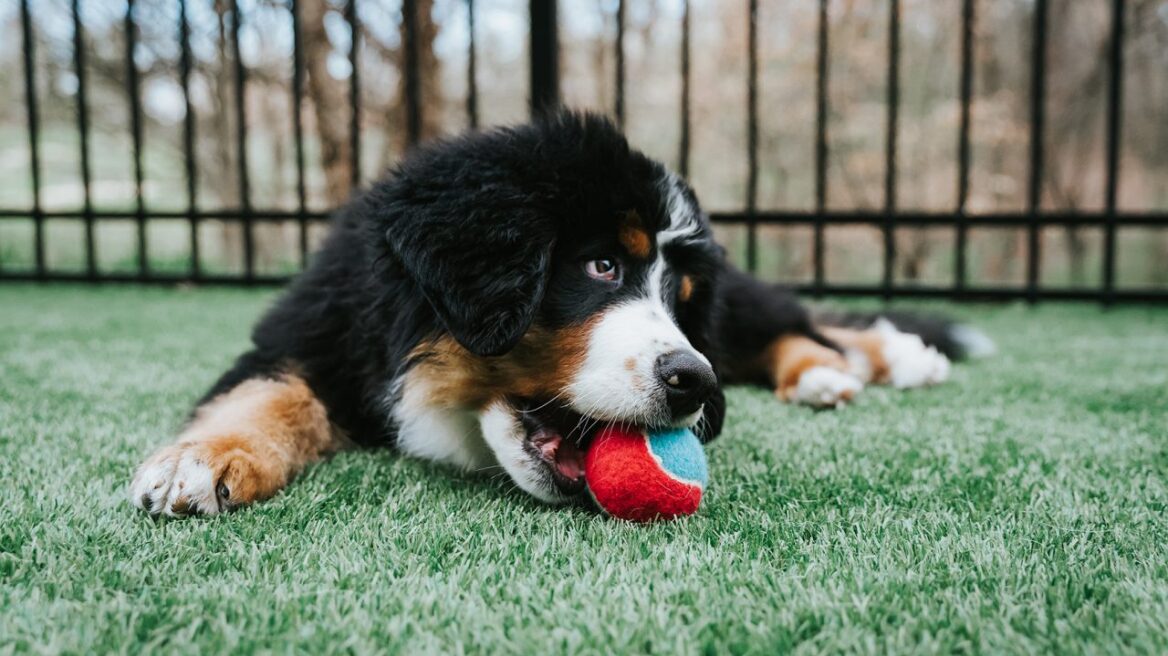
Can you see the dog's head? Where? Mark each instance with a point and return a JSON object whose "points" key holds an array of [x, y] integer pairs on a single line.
{"points": [[571, 279]]}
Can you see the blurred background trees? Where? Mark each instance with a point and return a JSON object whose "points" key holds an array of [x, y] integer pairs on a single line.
{"points": [[1074, 141]]}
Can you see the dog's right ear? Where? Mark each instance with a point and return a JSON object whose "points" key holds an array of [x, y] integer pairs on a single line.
{"points": [[478, 249]]}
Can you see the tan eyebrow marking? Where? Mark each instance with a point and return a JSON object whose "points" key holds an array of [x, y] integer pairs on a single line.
{"points": [[686, 289], [633, 235]]}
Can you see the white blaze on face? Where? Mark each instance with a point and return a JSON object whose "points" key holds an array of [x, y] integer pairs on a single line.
{"points": [[618, 380]]}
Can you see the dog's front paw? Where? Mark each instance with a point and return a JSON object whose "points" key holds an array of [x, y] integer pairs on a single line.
{"points": [[201, 478], [824, 387]]}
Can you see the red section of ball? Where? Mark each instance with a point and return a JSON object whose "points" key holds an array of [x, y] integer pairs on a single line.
{"points": [[628, 482]]}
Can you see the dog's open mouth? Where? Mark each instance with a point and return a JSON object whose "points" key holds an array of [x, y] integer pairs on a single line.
{"points": [[559, 437]]}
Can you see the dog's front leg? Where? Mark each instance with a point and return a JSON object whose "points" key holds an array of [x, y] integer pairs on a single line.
{"points": [[239, 447]]}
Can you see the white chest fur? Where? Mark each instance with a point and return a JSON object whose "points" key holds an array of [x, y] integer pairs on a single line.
{"points": [[437, 432]]}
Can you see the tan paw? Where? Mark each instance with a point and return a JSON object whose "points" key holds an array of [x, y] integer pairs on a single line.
{"points": [[201, 478]]}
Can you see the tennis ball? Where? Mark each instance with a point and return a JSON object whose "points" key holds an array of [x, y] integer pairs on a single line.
{"points": [[645, 476]]}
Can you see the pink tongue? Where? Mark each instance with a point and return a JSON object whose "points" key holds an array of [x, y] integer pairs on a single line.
{"points": [[548, 445], [568, 457], [570, 461]]}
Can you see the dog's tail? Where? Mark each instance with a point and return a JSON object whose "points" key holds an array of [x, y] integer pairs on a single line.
{"points": [[956, 340]]}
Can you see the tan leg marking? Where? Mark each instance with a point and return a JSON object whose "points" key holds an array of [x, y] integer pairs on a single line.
{"points": [[788, 357], [867, 344], [240, 447], [804, 371]]}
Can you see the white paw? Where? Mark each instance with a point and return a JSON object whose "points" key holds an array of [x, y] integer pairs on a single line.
{"points": [[175, 482], [910, 362], [823, 387], [859, 365]]}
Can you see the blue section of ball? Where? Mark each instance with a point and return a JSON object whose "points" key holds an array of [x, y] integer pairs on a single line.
{"points": [[681, 454]]}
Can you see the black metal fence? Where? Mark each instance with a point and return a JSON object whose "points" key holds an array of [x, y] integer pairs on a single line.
{"points": [[544, 89]]}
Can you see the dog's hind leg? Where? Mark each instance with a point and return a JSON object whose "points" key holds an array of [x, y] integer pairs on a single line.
{"points": [[805, 371], [766, 336], [240, 446]]}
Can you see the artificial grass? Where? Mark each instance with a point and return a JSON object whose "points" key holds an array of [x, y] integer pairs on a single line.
{"points": [[1020, 508]]}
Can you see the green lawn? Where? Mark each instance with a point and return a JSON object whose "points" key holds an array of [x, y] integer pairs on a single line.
{"points": [[1020, 508]]}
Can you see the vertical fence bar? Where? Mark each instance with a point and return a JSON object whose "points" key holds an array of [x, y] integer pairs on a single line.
{"points": [[298, 131], [890, 146], [545, 65], [963, 151], [683, 145], [184, 72], [472, 83], [132, 91], [413, 79], [752, 139], [354, 93], [619, 103], [820, 148], [1037, 119], [34, 146], [241, 146], [1114, 134], [83, 139]]}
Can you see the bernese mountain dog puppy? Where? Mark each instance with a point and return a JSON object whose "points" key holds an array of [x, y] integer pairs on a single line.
{"points": [[493, 301]]}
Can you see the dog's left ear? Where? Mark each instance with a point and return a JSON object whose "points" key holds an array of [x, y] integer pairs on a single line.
{"points": [[479, 255]]}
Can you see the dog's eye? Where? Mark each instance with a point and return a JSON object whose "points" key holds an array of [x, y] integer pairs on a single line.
{"points": [[606, 269]]}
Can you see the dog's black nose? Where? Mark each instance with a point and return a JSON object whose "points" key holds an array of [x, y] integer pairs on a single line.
{"points": [[688, 381]]}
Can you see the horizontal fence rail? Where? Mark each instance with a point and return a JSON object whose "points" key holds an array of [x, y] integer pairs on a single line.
{"points": [[544, 94]]}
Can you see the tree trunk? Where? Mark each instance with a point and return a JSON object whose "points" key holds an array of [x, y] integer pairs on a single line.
{"points": [[225, 184], [329, 102]]}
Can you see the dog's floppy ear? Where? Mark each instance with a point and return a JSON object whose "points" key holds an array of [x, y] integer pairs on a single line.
{"points": [[479, 253]]}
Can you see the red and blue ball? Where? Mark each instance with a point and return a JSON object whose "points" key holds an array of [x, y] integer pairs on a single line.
{"points": [[646, 476]]}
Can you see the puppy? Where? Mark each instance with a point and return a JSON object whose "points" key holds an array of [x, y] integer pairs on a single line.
{"points": [[495, 300]]}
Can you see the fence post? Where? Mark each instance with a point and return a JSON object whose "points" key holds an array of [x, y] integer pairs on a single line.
{"points": [[819, 281], [545, 57], [1037, 153], [1114, 134], [30, 106], [413, 60]]}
